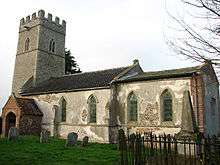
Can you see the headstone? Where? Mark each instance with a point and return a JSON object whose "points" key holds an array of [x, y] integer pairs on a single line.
{"points": [[71, 139], [44, 136], [13, 134], [85, 141]]}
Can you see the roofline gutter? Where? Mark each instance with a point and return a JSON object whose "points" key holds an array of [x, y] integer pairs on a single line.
{"points": [[62, 91]]}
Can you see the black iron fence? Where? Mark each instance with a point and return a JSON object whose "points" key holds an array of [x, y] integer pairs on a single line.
{"points": [[150, 149]]}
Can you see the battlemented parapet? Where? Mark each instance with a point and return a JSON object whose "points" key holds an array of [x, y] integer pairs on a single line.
{"points": [[40, 19]]}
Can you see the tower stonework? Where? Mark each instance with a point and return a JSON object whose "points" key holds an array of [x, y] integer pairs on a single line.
{"points": [[40, 51]]}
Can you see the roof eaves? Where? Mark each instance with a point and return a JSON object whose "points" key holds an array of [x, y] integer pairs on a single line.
{"points": [[62, 91], [154, 78]]}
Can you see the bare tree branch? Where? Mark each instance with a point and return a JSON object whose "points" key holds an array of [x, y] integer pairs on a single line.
{"points": [[199, 42]]}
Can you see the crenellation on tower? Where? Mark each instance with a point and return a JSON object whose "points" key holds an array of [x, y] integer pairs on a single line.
{"points": [[41, 13], [40, 19], [33, 16], [22, 22], [57, 20], [28, 18], [64, 24], [50, 17]]}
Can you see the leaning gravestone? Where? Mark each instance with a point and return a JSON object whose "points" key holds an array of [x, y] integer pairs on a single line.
{"points": [[71, 139], [44, 136], [13, 134], [85, 141]]}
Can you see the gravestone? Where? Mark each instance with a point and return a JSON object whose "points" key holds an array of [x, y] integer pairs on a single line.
{"points": [[71, 139], [0, 125], [13, 134], [85, 141], [44, 136]]}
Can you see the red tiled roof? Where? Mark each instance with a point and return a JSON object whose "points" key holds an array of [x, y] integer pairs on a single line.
{"points": [[28, 106]]}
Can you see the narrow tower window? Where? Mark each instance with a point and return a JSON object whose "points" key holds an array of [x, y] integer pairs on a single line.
{"points": [[166, 101], [52, 46], [213, 106], [92, 109], [27, 43], [132, 107]]}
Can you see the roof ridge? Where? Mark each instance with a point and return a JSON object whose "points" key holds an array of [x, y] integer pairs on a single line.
{"points": [[196, 67], [92, 71]]}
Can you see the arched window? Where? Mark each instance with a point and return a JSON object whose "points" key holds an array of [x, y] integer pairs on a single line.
{"points": [[132, 107], [63, 109], [27, 43], [166, 105], [92, 109], [213, 106], [52, 46]]}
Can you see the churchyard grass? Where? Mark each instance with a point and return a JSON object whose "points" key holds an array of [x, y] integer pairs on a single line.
{"points": [[28, 150]]}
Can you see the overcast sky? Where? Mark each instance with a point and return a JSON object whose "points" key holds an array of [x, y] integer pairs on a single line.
{"points": [[100, 33]]}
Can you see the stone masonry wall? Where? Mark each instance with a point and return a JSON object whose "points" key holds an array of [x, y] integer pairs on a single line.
{"points": [[25, 61], [149, 109], [30, 125], [76, 113], [37, 61]]}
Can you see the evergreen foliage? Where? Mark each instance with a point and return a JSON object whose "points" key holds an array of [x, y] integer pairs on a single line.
{"points": [[71, 65]]}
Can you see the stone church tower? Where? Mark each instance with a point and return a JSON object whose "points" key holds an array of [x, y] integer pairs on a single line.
{"points": [[40, 51]]}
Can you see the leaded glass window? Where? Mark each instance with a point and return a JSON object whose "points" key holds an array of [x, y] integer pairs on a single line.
{"points": [[63, 110], [167, 106], [132, 107], [92, 109]]}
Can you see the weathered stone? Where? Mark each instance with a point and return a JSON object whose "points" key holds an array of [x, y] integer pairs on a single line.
{"points": [[85, 141], [187, 125], [44, 136], [13, 134], [71, 139], [39, 50]]}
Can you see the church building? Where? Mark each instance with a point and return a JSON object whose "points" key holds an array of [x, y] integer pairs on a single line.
{"points": [[97, 104]]}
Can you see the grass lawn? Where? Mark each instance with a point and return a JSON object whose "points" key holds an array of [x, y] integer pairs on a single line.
{"points": [[28, 150]]}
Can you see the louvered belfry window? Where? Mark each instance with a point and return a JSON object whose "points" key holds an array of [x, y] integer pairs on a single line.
{"points": [[52, 46]]}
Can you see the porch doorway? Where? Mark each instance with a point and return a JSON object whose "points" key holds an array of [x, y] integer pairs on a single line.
{"points": [[10, 122]]}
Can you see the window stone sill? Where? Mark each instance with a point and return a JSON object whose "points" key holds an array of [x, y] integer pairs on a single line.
{"points": [[167, 123]]}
